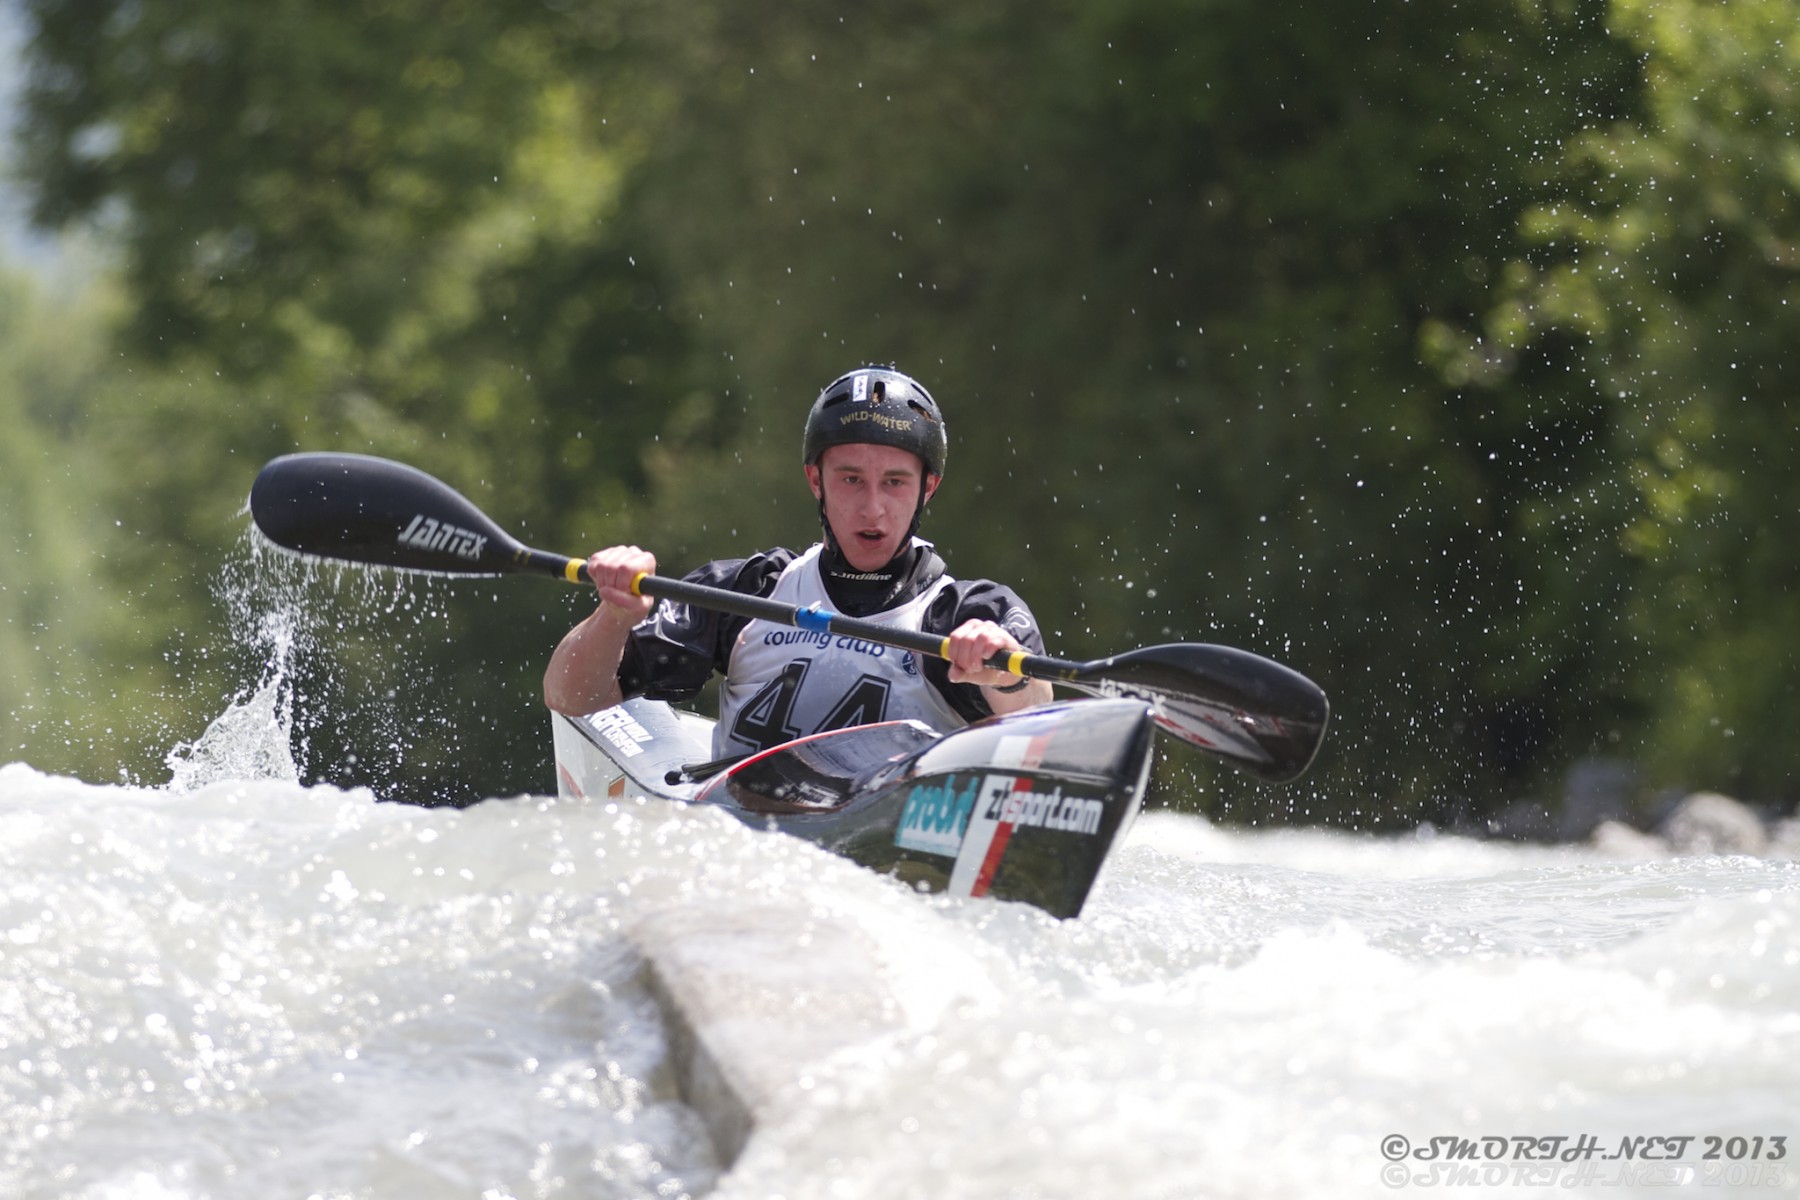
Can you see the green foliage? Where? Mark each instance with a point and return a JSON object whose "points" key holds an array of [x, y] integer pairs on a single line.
{"points": [[1435, 349], [1668, 258], [395, 229], [84, 685]]}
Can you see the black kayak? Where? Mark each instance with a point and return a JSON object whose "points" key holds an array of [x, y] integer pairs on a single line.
{"points": [[1023, 807]]}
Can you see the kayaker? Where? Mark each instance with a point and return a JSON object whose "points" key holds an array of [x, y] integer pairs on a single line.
{"points": [[873, 454]]}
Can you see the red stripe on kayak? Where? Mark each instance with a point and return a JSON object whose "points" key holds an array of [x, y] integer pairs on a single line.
{"points": [[990, 862], [996, 851], [1034, 754]]}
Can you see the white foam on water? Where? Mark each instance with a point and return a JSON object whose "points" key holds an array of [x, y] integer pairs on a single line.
{"points": [[1224, 1023], [255, 988], [260, 989]]}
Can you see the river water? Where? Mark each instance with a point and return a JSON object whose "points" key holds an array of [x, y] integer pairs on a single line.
{"points": [[235, 985]]}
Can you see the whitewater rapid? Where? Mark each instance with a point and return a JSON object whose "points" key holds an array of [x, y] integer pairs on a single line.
{"points": [[235, 986], [239, 986]]}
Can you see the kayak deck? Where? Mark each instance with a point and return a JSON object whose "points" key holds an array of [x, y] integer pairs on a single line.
{"points": [[1022, 807]]}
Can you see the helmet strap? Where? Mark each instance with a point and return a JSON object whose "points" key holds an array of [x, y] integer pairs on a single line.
{"points": [[831, 542], [918, 511]]}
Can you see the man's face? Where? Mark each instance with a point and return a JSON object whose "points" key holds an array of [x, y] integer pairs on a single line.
{"points": [[870, 494]]}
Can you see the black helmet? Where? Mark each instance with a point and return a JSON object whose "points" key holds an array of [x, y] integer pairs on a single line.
{"points": [[877, 405]]}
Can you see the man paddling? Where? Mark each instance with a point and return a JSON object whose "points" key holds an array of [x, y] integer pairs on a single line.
{"points": [[873, 453]]}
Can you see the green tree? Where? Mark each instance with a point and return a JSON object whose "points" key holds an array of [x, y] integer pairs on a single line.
{"points": [[83, 686], [1666, 258], [396, 229]]}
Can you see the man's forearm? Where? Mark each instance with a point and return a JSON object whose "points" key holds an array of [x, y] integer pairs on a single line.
{"points": [[1037, 691], [583, 675]]}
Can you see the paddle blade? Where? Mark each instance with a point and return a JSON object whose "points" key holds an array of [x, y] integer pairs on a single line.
{"points": [[1260, 716], [371, 510]]}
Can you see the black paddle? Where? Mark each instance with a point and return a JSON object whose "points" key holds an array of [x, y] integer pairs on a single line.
{"points": [[1257, 714]]}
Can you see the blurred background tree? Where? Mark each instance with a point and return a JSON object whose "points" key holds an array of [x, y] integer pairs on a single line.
{"points": [[1436, 350]]}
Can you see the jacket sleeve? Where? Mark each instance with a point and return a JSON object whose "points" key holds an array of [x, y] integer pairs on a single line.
{"points": [[967, 600], [673, 652]]}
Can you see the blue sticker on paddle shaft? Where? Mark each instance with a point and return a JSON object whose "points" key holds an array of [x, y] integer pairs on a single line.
{"points": [[813, 617], [936, 814]]}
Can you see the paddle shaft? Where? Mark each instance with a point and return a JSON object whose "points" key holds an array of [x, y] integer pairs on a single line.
{"points": [[822, 620], [814, 617]]}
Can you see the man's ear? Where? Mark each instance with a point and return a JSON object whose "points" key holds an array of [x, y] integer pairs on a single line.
{"points": [[815, 479], [931, 486]]}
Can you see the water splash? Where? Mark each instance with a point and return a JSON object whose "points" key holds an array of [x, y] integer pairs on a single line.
{"points": [[314, 634], [251, 739]]}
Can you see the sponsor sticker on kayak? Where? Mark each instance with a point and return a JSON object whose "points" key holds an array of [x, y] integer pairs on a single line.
{"points": [[625, 734], [936, 815], [1019, 803]]}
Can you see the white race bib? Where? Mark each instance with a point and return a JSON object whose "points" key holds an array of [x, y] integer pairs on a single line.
{"points": [[786, 683]]}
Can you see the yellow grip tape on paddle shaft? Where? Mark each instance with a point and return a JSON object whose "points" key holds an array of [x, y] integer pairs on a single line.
{"points": [[572, 570], [637, 579], [1015, 659]]}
